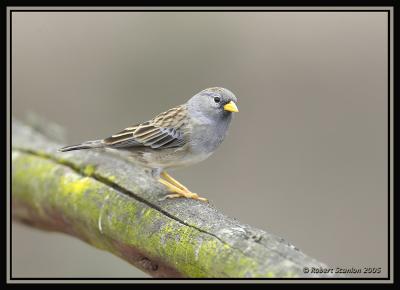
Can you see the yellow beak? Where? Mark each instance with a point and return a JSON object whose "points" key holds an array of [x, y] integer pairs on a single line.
{"points": [[231, 107]]}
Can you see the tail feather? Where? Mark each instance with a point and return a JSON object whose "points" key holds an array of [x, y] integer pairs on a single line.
{"points": [[84, 145]]}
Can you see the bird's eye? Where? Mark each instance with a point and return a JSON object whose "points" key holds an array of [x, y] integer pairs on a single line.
{"points": [[217, 99]]}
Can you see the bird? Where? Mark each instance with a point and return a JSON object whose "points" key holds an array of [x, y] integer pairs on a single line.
{"points": [[179, 137]]}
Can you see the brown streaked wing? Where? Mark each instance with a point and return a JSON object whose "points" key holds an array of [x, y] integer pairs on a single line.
{"points": [[172, 118], [164, 131], [120, 136]]}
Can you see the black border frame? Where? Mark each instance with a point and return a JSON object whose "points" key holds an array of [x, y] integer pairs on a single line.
{"points": [[209, 10]]}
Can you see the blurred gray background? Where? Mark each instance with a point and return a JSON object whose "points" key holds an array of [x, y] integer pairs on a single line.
{"points": [[305, 158]]}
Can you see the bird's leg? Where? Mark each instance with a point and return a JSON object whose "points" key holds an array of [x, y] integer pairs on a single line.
{"points": [[178, 192], [174, 181], [173, 188], [179, 189]]}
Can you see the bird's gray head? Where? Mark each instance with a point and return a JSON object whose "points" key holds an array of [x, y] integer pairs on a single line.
{"points": [[214, 103]]}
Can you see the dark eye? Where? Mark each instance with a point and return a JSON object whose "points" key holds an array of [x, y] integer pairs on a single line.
{"points": [[217, 99]]}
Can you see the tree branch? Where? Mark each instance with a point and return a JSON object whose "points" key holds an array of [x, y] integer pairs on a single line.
{"points": [[114, 205]]}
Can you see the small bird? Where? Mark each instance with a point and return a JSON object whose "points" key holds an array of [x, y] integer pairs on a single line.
{"points": [[181, 136]]}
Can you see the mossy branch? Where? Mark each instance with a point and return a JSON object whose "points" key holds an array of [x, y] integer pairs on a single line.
{"points": [[114, 205]]}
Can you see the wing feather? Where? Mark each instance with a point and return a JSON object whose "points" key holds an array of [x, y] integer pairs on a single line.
{"points": [[166, 130]]}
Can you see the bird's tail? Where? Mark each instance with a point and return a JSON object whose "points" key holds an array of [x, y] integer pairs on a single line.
{"points": [[84, 145]]}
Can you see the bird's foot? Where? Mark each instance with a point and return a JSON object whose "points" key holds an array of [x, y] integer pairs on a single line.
{"points": [[178, 189], [176, 195], [173, 181]]}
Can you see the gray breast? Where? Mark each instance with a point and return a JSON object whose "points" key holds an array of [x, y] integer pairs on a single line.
{"points": [[208, 135]]}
